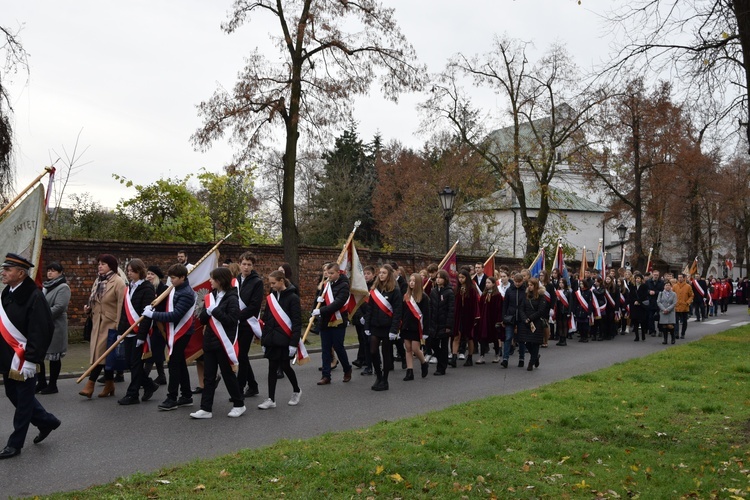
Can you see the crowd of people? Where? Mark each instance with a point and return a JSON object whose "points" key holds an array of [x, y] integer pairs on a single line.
{"points": [[423, 316]]}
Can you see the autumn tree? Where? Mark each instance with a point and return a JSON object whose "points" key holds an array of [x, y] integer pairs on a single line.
{"points": [[735, 205], [330, 51], [548, 110], [15, 59]]}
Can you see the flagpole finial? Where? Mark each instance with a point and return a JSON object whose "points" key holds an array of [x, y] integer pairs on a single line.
{"points": [[227, 236], [601, 239]]}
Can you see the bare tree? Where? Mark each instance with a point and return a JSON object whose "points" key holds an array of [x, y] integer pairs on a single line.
{"points": [[549, 110], [331, 51], [15, 59]]}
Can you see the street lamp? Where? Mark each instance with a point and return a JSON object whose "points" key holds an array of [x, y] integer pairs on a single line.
{"points": [[447, 198], [622, 232]]}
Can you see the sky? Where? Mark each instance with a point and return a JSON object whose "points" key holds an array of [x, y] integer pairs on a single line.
{"points": [[127, 76]]}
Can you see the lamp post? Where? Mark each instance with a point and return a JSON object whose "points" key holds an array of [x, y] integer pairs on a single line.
{"points": [[447, 198], [622, 231]]}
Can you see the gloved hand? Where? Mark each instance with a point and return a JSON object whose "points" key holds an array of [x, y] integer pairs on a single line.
{"points": [[425, 337], [148, 311], [320, 299], [292, 351], [210, 309], [28, 371], [392, 336], [316, 312], [367, 332], [139, 342], [362, 321]]}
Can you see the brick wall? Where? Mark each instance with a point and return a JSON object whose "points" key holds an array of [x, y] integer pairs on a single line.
{"points": [[78, 258]]}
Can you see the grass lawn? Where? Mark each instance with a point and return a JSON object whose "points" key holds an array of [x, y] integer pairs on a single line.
{"points": [[675, 424]]}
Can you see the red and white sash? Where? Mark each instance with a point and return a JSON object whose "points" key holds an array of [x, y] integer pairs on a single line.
{"points": [[230, 347], [256, 325], [417, 312], [547, 297], [176, 331], [16, 340], [597, 307], [562, 298], [610, 300], [698, 287], [382, 302], [582, 301], [130, 312], [281, 317], [336, 319]]}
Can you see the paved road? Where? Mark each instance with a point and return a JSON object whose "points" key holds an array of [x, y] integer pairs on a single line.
{"points": [[100, 440]]}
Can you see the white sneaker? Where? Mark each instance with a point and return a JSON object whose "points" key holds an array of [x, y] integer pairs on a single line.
{"points": [[428, 358], [480, 361], [496, 359], [237, 411], [295, 398], [268, 403], [461, 356], [433, 360], [201, 414]]}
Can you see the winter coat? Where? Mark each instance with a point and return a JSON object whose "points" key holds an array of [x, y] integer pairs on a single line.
{"points": [[442, 311], [273, 334], [410, 323], [467, 312], [251, 294], [105, 314], [379, 323], [667, 302], [656, 287], [639, 310], [340, 290], [534, 311], [514, 297], [142, 296], [226, 312], [29, 312], [491, 318], [684, 293], [183, 300], [58, 299]]}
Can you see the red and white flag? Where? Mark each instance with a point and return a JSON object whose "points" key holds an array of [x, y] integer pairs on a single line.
{"points": [[352, 267]]}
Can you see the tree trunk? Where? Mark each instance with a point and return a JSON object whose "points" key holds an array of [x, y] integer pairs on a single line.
{"points": [[742, 13]]}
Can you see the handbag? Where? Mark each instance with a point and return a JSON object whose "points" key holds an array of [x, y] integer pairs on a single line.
{"points": [[115, 359], [87, 327], [510, 319]]}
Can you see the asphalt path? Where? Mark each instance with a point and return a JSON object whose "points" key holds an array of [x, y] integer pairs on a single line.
{"points": [[100, 441]]}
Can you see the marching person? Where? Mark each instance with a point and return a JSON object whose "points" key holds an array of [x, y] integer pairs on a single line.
{"points": [[442, 304], [582, 308], [250, 289], [57, 293], [363, 352], [382, 323], [532, 316], [667, 300], [466, 318], [220, 314], [27, 328], [179, 319], [490, 328], [684, 292], [562, 311], [415, 315], [105, 307], [512, 300], [140, 293], [282, 327], [639, 310], [333, 321], [158, 331]]}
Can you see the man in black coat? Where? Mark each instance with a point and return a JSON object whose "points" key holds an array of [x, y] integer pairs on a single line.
{"points": [[655, 286], [251, 297], [26, 329], [333, 321]]}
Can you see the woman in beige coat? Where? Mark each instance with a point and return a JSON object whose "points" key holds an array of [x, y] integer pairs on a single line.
{"points": [[105, 306]]}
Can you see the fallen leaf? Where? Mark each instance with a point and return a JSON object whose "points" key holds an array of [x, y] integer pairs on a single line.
{"points": [[162, 481], [379, 469], [396, 477], [223, 473], [200, 487]]}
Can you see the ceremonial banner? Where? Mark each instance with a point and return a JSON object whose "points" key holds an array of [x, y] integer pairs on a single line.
{"points": [[22, 229], [599, 264], [199, 278], [451, 267], [584, 264], [693, 268], [352, 267], [559, 264], [537, 266], [489, 265]]}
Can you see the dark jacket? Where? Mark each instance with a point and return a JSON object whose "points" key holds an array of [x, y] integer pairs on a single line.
{"points": [[340, 290], [251, 293], [184, 299], [29, 312], [226, 312], [514, 297], [532, 311], [378, 322], [656, 287], [142, 296], [578, 311], [409, 322], [273, 334], [442, 310], [638, 297]]}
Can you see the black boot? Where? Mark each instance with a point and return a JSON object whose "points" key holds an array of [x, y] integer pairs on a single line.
{"points": [[452, 362], [562, 341], [378, 378], [671, 333], [425, 367], [665, 337], [383, 385], [469, 360], [409, 375]]}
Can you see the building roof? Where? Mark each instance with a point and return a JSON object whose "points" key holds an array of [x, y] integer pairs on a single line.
{"points": [[559, 200]]}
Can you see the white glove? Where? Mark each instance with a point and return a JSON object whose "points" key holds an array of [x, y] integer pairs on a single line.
{"points": [[148, 311], [392, 336], [292, 351], [320, 299], [139, 343], [367, 332], [316, 312], [263, 348], [28, 371], [362, 321], [210, 309], [425, 337]]}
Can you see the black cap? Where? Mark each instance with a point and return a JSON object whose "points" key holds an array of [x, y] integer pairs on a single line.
{"points": [[15, 260], [157, 271]]}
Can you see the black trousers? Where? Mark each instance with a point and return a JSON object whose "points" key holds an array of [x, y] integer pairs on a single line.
{"points": [[28, 410], [387, 350], [179, 377], [363, 352], [699, 308], [245, 373], [212, 362], [286, 367], [440, 350], [138, 377], [682, 317]]}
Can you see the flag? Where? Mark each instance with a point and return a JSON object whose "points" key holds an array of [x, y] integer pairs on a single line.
{"points": [[302, 355], [599, 259], [559, 264], [199, 278], [729, 263], [694, 267], [489, 265], [584, 264], [649, 265], [22, 229], [352, 267], [451, 267], [537, 266]]}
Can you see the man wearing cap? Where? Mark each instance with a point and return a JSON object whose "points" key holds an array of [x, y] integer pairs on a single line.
{"points": [[26, 329]]}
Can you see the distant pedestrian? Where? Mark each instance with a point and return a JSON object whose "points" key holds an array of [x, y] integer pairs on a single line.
{"points": [[57, 293]]}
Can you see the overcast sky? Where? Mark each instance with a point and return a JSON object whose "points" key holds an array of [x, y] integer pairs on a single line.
{"points": [[129, 75]]}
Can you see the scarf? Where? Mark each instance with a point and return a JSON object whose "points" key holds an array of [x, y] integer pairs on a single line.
{"points": [[101, 286], [49, 285]]}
